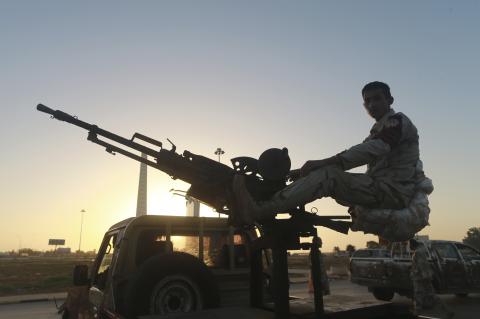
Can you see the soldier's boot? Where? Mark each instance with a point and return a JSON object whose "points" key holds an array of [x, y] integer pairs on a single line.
{"points": [[248, 211], [300, 192]]}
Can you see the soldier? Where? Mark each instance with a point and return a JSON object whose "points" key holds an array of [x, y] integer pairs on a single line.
{"points": [[323, 273], [391, 152], [424, 296]]}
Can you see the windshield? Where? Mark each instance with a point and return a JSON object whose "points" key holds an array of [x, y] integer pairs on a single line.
{"points": [[105, 255]]}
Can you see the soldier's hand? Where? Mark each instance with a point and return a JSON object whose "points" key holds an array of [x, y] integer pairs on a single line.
{"points": [[311, 166], [294, 175]]}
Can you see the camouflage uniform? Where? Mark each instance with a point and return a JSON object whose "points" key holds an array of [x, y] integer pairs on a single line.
{"points": [[396, 225], [424, 296], [391, 152], [422, 275], [323, 273], [324, 277]]}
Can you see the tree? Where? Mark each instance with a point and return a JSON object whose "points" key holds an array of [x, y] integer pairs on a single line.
{"points": [[350, 249], [473, 237]]}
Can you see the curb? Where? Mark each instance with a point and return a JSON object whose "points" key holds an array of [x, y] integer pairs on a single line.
{"points": [[32, 298]]}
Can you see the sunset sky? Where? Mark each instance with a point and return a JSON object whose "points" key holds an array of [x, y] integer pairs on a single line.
{"points": [[242, 75]]}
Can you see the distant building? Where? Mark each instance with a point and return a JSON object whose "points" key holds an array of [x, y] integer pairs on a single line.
{"points": [[422, 237], [64, 250]]}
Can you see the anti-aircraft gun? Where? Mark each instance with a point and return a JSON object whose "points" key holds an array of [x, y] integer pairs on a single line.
{"points": [[211, 184], [210, 180]]}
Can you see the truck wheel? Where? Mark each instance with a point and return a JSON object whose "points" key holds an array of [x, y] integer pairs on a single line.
{"points": [[170, 283], [175, 293], [383, 294]]}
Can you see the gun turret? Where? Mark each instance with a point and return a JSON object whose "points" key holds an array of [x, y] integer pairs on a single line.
{"points": [[210, 181]]}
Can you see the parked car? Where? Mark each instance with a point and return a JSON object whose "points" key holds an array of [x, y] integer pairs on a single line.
{"points": [[456, 269]]}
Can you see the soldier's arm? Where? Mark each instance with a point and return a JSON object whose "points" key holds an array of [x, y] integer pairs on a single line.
{"points": [[370, 150]]}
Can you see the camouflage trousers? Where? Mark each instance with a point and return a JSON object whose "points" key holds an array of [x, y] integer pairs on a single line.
{"points": [[375, 209], [323, 278], [424, 296], [348, 189]]}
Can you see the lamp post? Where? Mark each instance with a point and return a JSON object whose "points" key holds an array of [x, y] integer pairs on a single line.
{"points": [[219, 152], [81, 228]]}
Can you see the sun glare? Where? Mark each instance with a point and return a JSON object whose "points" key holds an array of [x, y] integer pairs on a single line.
{"points": [[166, 201]]}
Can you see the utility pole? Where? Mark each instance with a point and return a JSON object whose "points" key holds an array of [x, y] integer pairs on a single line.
{"points": [[81, 228], [142, 189]]}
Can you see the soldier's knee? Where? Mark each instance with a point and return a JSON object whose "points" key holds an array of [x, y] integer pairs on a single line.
{"points": [[334, 177]]}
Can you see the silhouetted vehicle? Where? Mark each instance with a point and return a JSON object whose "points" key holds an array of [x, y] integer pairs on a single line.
{"points": [[168, 264], [456, 268]]}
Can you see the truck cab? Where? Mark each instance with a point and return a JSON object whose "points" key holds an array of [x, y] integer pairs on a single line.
{"points": [[166, 264], [457, 267]]}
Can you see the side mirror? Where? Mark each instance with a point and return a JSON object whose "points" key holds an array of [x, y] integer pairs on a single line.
{"points": [[80, 275]]}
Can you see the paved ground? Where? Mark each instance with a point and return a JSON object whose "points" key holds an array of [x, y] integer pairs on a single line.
{"points": [[29, 310], [465, 308]]}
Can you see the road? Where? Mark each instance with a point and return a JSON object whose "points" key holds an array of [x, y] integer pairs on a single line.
{"points": [[29, 310], [464, 308]]}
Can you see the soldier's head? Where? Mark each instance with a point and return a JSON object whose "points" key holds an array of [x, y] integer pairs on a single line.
{"points": [[377, 99]]}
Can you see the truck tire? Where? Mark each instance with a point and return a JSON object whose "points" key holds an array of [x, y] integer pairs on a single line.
{"points": [[176, 282], [384, 294]]}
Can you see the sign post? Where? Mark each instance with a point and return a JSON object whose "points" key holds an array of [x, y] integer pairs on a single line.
{"points": [[56, 242]]}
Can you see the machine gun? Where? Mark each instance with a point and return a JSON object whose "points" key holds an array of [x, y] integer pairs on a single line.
{"points": [[211, 183], [210, 180]]}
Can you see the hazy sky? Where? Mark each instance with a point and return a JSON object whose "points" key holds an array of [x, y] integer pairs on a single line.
{"points": [[241, 75]]}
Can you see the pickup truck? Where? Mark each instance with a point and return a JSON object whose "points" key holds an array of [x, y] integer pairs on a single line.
{"points": [[167, 264], [170, 266], [456, 268]]}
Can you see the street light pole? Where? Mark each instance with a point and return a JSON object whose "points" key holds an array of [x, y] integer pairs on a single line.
{"points": [[81, 228], [219, 152]]}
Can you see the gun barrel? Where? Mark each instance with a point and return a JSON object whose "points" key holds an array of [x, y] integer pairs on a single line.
{"points": [[207, 177], [210, 181], [45, 109], [62, 116], [304, 218], [336, 225]]}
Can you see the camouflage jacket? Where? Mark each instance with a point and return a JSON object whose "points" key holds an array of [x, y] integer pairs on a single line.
{"points": [[421, 269], [391, 153]]}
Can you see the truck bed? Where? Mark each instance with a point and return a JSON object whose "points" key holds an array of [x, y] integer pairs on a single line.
{"points": [[337, 306]]}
